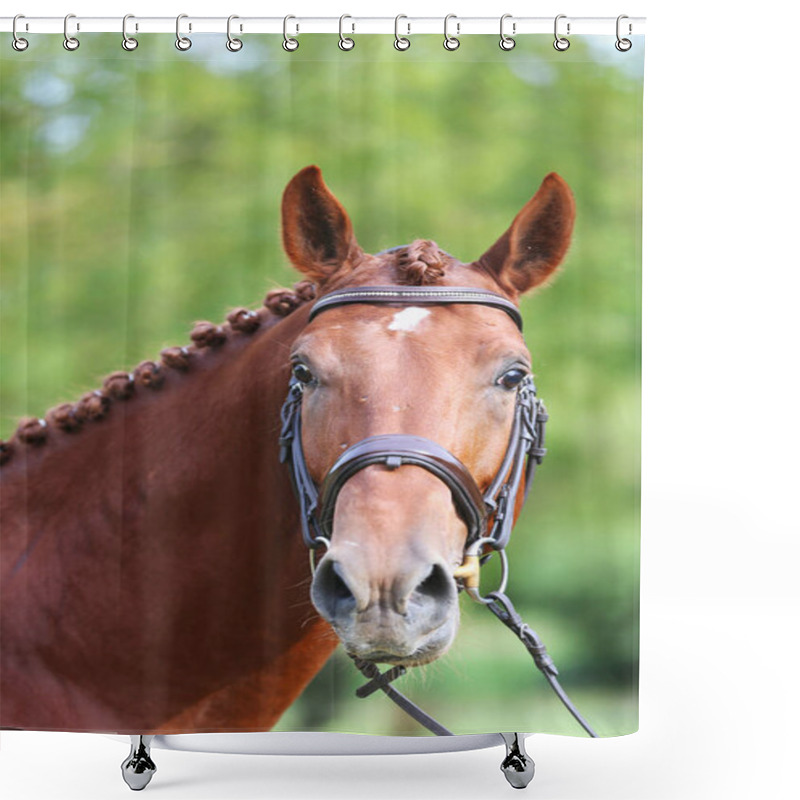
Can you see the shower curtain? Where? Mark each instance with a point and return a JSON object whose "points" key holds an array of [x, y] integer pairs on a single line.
{"points": [[144, 220]]}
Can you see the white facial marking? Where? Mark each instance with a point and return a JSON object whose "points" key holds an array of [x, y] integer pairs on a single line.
{"points": [[408, 318]]}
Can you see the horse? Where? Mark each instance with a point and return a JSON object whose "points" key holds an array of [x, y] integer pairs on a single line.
{"points": [[154, 569]]}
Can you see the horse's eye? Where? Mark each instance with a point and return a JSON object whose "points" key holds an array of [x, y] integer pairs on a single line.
{"points": [[302, 373], [512, 378]]}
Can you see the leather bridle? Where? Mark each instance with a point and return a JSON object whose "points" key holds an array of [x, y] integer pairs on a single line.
{"points": [[488, 515]]}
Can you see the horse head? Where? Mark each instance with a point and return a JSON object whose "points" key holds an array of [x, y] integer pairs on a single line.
{"points": [[447, 374]]}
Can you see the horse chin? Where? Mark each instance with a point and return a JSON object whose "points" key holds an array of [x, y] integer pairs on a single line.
{"points": [[416, 659], [435, 645]]}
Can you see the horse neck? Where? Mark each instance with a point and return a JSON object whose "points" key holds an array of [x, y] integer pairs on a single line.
{"points": [[209, 433], [175, 508]]}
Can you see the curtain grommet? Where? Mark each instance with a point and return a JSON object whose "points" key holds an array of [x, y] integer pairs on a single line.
{"points": [[233, 44], [346, 43], [623, 45], [70, 43], [507, 42], [182, 43], [451, 43], [17, 42], [289, 44], [561, 43], [401, 43], [129, 43]]}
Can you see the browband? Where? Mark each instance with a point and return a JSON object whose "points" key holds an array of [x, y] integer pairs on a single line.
{"points": [[416, 295]]}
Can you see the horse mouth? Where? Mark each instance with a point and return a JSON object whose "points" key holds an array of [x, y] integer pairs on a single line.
{"points": [[400, 654], [416, 659]]}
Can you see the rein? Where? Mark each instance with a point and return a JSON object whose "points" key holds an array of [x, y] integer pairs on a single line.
{"points": [[489, 515]]}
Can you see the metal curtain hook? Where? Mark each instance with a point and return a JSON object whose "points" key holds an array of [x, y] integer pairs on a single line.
{"points": [[233, 44], [400, 42], [17, 42], [289, 44], [506, 42], [623, 45], [183, 43], [560, 42], [70, 42], [345, 42], [128, 42], [451, 42]]}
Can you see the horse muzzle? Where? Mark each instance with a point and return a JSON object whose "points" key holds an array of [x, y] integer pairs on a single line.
{"points": [[408, 621]]}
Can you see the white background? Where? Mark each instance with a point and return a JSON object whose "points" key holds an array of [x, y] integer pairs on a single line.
{"points": [[720, 601]]}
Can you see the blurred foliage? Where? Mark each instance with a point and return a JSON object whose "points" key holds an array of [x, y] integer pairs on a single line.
{"points": [[141, 191]]}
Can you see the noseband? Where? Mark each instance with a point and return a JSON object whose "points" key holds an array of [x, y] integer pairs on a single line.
{"points": [[489, 515]]}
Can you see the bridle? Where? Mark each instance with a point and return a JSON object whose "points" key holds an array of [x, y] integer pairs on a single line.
{"points": [[488, 515]]}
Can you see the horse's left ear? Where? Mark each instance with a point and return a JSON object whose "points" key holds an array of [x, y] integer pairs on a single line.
{"points": [[317, 233], [537, 241]]}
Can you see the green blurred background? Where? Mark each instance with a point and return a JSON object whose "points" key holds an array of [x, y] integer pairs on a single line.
{"points": [[141, 191]]}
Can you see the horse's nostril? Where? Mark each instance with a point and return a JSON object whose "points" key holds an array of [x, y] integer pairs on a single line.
{"points": [[330, 592], [438, 585]]}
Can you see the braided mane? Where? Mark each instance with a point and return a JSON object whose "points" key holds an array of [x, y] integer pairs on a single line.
{"points": [[151, 375], [420, 263]]}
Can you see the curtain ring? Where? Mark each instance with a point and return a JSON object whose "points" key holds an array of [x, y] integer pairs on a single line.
{"points": [[289, 44], [70, 42], [183, 43], [128, 42], [506, 42], [451, 42], [18, 43], [345, 42], [623, 45], [233, 44], [561, 44], [400, 42]]}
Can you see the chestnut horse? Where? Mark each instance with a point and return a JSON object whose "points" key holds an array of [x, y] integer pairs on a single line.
{"points": [[154, 579]]}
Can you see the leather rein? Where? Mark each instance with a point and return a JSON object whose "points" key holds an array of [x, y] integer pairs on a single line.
{"points": [[488, 515]]}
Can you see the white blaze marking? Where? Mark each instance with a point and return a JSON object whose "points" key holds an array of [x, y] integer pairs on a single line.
{"points": [[408, 318]]}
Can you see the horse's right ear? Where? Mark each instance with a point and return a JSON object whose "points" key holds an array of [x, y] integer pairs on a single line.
{"points": [[317, 233]]}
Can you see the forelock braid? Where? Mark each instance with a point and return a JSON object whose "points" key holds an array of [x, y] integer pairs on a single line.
{"points": [[420, 264]]}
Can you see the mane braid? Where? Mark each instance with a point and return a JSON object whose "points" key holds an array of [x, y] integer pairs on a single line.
{"points": [[152, 375], [420, 263]]}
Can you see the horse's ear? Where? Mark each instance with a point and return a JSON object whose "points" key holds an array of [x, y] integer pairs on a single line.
{"points": [[317, 233], [537, 241]]}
